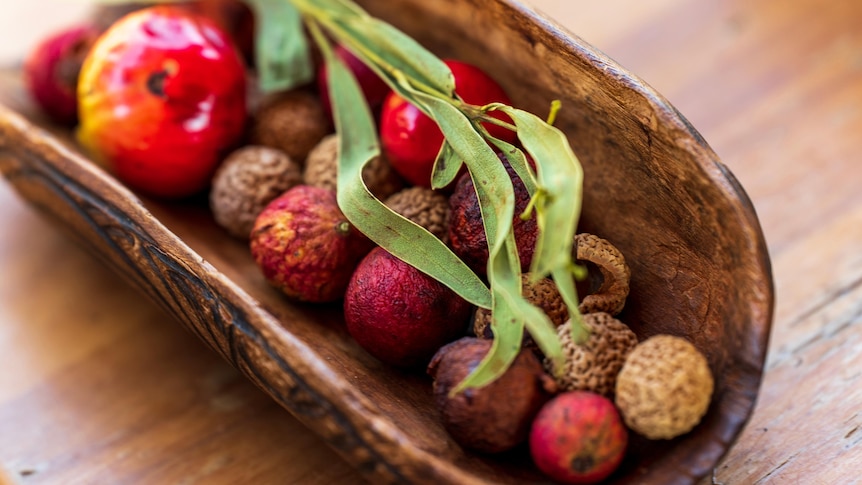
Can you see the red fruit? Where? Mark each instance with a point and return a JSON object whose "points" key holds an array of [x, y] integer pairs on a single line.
{"points": [[467, 233], [411, 140], [305, 246], [578, 437], [399, 314], [51, 71], [374, 88], [162, 97]]}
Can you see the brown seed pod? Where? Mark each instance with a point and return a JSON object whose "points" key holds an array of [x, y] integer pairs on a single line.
{"points": [[249, 179], [542, 293], [291, 121], [594, 365], [664, 387], [614, 273], [496, 417], [321, 170], [423, 206]]}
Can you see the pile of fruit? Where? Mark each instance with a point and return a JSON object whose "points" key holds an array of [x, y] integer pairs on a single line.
{"points": [[167, 99]]}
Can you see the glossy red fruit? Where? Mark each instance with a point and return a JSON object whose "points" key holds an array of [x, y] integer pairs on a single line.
{"points": [[162, 96], [411, 140], [374, 88], [399, 314], [51, 71], [578, 437]]}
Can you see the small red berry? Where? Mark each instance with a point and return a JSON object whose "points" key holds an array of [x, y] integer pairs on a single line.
{"points": [[578, 437], [411, 140]]}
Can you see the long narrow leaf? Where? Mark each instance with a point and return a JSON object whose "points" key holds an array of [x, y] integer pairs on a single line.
{"points": [[281, 49]]}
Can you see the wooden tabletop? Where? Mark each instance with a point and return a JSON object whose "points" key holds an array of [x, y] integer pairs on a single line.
{"points": [[97, 385]]}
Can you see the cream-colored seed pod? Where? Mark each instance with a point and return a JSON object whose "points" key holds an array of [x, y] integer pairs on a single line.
{"points": [[247, 180], [664, 387], [594, 365], [321, 170]]}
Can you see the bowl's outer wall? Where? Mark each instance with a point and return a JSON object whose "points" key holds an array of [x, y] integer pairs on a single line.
{"points": [[653, 187]]}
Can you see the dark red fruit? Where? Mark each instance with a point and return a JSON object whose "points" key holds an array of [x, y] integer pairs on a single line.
{"points": [[578, 437], [51, 71], [496, 417], [399, 314], [467, 233], [374, 88], [411, 140]]}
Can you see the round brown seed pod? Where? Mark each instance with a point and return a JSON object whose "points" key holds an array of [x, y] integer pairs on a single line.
{"points": [[610, 297], [593, 365], [664, 387], [495, 417], [321, 170], [542, 293], [423, 206], [291, 121], [247, 180]]}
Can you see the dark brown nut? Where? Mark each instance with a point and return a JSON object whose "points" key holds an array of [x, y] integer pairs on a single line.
{"points": [[291, 121], [496, 417], [249, 179], [423, 206], [593, 365], [610, 296]]}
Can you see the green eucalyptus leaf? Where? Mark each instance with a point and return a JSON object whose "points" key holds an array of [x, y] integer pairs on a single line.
{"points": [[518, 161], [281, 49], [401, 237], [446, 168]]}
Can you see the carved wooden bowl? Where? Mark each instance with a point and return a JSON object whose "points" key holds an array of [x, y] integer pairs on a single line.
{"points": [[654, 188]]}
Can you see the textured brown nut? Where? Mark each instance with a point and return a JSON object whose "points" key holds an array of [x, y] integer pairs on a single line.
{"points": [[247, 180], [542, 293], [291, 121], [611, 295], [495, 417], [664, 387], [594, 365], [423, 206], [321, 170]]}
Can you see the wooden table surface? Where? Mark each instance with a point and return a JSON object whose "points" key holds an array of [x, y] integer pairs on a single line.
{"points": [[97, 385]]}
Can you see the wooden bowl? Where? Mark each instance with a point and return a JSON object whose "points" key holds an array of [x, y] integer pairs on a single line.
{"points": [[654, 188]]}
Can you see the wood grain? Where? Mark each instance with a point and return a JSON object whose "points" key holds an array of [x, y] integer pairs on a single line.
{"points": [[773, 86]]}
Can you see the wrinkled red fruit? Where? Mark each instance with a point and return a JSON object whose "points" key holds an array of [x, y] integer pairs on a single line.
{"points": [[578, 437], [374, 88], [496, 417], [411, 140], [399, 314], [467, 233], [51, 71], [304, 245]]}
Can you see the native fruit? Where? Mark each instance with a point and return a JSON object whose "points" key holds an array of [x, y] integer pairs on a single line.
{"points": [[162, 97], [321, 170], [427, 208], [411, 140], [578, 437], [399, 314], [496, 417], [249, 179], [51, 71], [305, 246], [292, 121], [467, 232], [664, 387]]}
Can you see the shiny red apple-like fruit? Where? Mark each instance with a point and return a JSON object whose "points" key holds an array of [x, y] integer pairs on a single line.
{"points": [[162, 95]]}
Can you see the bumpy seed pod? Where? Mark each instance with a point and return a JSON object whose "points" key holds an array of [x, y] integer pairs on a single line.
{"points": [[542, 293], [292, 121], [611, 295], [321, 170], [423, 206]]}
